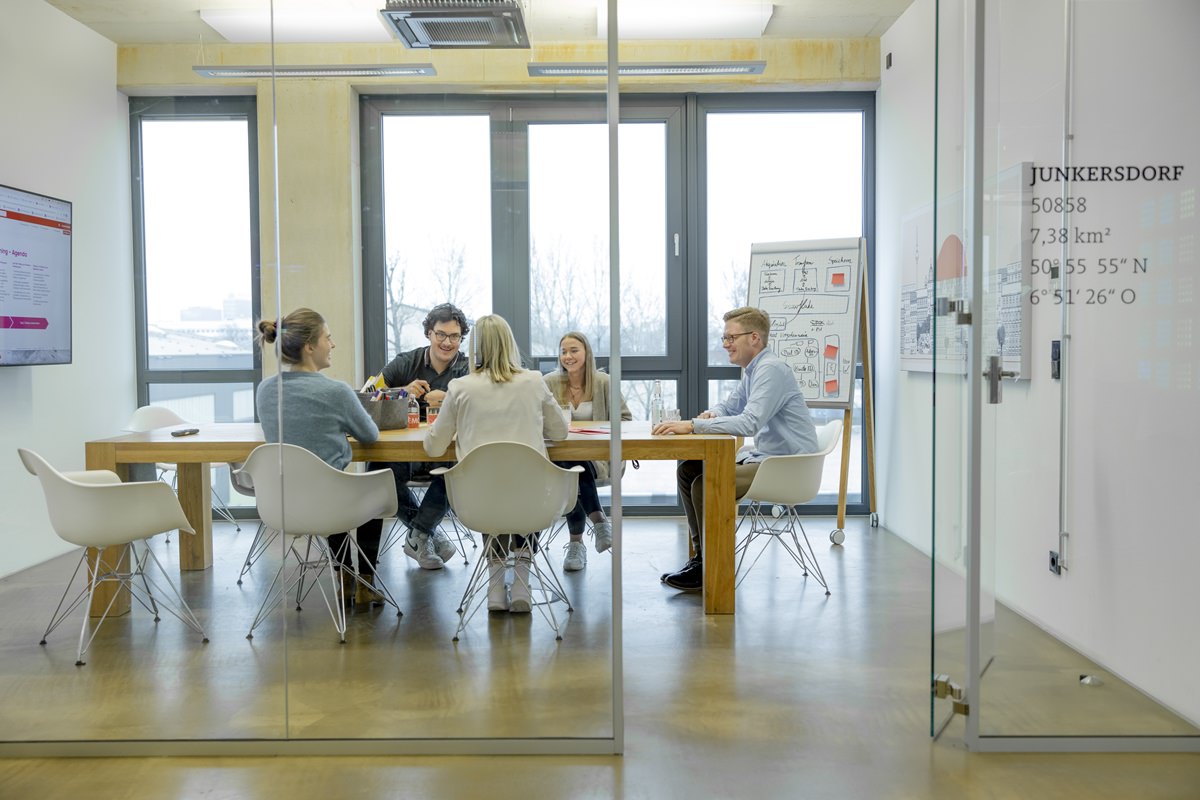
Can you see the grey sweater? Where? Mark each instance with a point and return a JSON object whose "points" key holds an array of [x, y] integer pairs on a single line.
{"points": [[317, 414]]}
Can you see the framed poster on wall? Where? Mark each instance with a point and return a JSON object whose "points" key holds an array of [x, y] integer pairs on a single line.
{"points": [[939, 269]]}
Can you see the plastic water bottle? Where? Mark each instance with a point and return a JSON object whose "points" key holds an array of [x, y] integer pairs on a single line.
{"points": [[414, 412], [657, 405]]}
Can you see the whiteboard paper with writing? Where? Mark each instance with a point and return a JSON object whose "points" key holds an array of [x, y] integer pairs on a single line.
{"points": [[811, 292]]}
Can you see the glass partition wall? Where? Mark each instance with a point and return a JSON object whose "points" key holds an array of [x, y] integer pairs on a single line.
{"points": [[453, 208], [1065, 268], [493, 212], [390, 683]]}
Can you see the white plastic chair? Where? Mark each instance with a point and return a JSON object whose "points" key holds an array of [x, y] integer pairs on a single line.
{"points": [[94, 509], [780, 484], [506, 489], [148, 418], [306, 500]]}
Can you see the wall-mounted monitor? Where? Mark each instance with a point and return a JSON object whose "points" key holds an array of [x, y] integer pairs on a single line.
{"points": [[35, 278]]}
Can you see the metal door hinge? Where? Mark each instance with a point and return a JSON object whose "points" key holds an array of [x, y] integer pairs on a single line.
{"points": [[959, 308], [944, 687]]}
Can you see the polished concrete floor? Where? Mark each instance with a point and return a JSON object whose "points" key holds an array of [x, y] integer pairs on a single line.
{"points": [[798, 695]]}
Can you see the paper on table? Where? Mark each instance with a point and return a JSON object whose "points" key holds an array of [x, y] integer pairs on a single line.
{"points": [[577, 429]]}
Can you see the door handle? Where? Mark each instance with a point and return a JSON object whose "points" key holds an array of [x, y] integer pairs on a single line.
{"points": [[994, 373]]}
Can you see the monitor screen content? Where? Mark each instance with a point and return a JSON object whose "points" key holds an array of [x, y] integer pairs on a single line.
{"points": [[35, 278]]}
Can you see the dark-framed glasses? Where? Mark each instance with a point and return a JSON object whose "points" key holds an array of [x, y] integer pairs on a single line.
{"points": [[453, 338], [729, 337]]}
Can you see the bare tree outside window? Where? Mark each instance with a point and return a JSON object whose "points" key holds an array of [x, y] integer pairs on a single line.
{"points": [[399, 313], [436, 257]]}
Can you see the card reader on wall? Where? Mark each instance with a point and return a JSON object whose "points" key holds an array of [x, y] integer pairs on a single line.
{"points": [[1055, 354]]}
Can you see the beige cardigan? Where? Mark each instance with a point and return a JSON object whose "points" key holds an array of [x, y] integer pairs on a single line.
{"points": [[600, 409]]}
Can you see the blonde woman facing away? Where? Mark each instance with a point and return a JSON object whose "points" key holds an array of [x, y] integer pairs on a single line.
{"points": [[318, 413], [499, 401], [578, 384]]}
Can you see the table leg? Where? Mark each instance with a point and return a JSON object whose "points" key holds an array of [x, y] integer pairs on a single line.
{"points": [[720, 511], [101, 456], [195, 492]]}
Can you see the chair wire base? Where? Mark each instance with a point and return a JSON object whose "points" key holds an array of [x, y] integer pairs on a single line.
{"points": [[263, 538], [142, 588], [785, 529], [542, 579], [317, 558], [218, 507]]}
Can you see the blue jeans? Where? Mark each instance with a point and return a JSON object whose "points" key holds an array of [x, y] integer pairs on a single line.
{"points": [[424, 516]]}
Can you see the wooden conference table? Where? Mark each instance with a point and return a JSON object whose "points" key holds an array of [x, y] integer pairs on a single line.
{"points": [[224, 442]]}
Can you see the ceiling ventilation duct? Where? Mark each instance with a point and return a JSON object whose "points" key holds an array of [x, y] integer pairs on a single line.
{"points": [[476, 24]]}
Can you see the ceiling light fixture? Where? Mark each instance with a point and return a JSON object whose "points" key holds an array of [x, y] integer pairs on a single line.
{"points": [[323, 23], [318, 71], [600, 70], [687, 19]]}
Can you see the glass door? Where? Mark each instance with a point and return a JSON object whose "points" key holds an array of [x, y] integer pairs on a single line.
{"points": [[1072, 424], [938, 247]]}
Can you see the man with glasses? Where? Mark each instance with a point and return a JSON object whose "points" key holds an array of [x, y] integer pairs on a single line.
{"points": [[425, 373], [767, 404]]}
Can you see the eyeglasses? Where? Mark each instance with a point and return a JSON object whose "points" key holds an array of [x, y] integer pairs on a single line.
{"points": [[729, 337], [453, 338]]}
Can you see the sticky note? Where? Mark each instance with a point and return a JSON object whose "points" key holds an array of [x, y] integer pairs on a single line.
{"points": [[831, 386], [838, 278], [831, 351]]}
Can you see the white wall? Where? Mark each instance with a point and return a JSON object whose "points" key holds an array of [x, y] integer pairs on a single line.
{"points": [[1129, 598], [65, 134], [904, 183]]}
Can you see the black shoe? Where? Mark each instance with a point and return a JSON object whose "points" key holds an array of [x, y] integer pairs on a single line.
{"points": [[691, 561], [688, 579]]}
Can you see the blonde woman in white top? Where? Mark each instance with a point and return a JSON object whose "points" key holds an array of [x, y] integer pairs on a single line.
{"points": [[498, 401]]}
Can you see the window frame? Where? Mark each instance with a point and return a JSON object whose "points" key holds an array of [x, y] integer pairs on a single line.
{"points": [[182, 108], [686, 358]]}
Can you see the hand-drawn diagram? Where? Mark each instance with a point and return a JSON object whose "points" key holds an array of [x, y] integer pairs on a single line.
{"points": [[810, 290]]}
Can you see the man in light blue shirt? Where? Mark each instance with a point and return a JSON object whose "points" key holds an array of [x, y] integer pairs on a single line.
{"points": [[767, 404]]}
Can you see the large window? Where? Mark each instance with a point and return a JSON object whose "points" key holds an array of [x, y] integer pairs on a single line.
{"points": [[568, 236], [501, 204], [437, 211], [196, 244], [780, 176]]}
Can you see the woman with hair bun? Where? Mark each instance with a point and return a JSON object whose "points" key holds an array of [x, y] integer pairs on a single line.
{"points": [[318, 413]]}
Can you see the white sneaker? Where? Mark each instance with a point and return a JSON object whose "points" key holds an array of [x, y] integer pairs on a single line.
{"points": [[576, 557], [603, 533], [421, 550], [497, 598], [519, 599], [443, 546]]}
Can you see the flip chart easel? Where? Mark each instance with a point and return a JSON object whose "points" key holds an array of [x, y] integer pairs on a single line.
{"points": [[816, 295]]}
